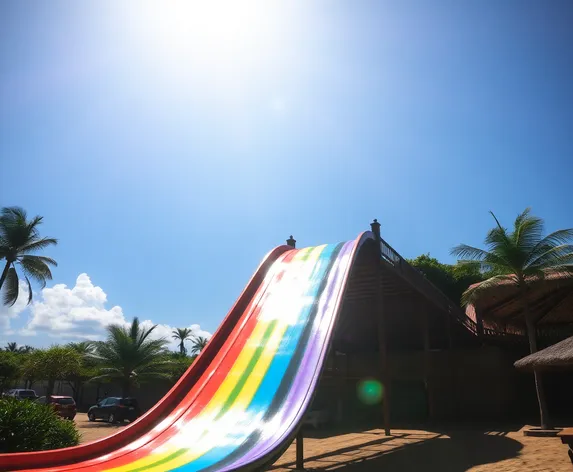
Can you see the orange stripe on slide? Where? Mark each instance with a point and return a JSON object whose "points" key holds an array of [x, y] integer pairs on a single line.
{"points": [[200, 394]]}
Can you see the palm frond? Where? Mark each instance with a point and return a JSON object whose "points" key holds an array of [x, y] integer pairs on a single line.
{"points": [[463, 251], [557, 238], [143, 334], [528, 230], [38, 244], [556, 255], [562, 236], [472, 294], [4, 249], [33, 223], [11, 287], [30, 293], [36, 269], [134, 329], [181, 333], [11, 214]]}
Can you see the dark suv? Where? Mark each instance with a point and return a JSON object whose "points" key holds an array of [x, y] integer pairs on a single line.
{"points": [[114, 409]]}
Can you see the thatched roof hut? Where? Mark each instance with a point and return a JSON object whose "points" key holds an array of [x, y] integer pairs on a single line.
{"points": [[550, 300], [558, 356]]}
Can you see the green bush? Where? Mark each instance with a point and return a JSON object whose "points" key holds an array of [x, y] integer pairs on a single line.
{"points": [[27, 426]]}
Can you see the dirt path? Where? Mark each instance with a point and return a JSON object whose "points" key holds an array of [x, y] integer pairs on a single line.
{"points": [[412, 450]]}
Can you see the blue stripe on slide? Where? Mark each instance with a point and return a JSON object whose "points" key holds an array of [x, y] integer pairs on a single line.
{"points": [[279, 364]]}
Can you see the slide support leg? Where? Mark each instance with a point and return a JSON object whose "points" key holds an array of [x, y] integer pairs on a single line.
{"points": [[299, 451]]}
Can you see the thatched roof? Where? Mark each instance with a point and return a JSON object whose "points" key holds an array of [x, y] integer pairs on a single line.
{"points": [[558, 355], [550, 300]]}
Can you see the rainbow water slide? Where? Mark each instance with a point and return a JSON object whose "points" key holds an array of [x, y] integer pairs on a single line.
{"points": [[240, 404]]}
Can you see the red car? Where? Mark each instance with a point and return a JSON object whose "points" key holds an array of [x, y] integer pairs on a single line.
{"points": [[64, 406]]}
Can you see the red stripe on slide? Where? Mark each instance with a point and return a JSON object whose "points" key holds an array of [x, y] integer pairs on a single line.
{"points": [[105, 446], [202, 392]]}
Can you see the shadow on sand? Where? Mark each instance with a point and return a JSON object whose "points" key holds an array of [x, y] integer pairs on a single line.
{"points": [[442, 451]]}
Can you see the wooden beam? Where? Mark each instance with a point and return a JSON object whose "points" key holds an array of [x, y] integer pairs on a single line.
{"points": [[500, 304], [566, 295], [299, 450], [383, 353], [549, 297], [425, 328], [381, 311]]}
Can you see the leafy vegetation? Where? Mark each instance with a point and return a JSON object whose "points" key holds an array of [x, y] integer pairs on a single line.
{"points": [[522, 257], [451, 279], [19, 238], [55, 363], [130, 357], [9, 369], [88, 369], [27, 426], [177, 365]]}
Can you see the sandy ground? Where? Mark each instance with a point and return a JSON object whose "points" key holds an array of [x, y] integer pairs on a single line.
{"points": [[447, 450]]}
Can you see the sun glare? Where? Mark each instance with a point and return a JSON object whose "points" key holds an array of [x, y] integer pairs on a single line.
{"points": [[207, 35]]}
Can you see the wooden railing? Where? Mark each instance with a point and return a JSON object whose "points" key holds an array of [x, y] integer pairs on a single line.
{"points": [[546, 335], [418, 280]]}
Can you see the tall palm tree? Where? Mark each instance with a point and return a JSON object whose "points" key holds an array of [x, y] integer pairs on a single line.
{"points": [[20, 237], [11, 347], [521, 257], [129, 356], [198, 344], [182, 334]]}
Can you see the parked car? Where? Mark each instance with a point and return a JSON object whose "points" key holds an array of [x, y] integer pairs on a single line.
{"points": [[21, 394], [114, 409], [64, 406]]}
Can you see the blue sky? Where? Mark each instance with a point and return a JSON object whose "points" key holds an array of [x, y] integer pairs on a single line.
{"points": [[170, 145]]}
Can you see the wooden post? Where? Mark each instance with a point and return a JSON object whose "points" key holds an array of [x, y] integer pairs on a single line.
{"points": [[381, 326], [425, 318], [291, 242], [299, 450]]}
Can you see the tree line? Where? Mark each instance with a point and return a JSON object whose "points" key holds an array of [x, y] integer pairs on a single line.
{"points": [[128, 357]]}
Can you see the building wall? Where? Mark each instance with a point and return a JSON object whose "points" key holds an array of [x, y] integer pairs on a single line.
{"points": [[463, 385]]}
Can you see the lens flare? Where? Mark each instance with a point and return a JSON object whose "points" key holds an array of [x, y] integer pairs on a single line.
{"points": [[369, 391]]}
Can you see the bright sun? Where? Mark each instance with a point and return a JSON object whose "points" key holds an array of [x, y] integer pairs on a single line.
{"points": [[207, 33]]}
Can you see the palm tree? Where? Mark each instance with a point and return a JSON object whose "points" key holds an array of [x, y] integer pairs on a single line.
{"points": [[130, 357], [521, 257], [18, 239], [11, 347], [182, 334], [198, 344]]}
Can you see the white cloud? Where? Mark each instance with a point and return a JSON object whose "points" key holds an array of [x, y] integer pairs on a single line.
{"points": [[80, 313], [8, 313]]}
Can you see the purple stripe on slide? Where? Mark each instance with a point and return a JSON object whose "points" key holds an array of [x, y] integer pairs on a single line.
{"points": [[307, 376]]}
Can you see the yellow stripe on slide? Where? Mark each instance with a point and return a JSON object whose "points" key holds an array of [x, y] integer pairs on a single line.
{"points": [[206, 419], [213, 427]]}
